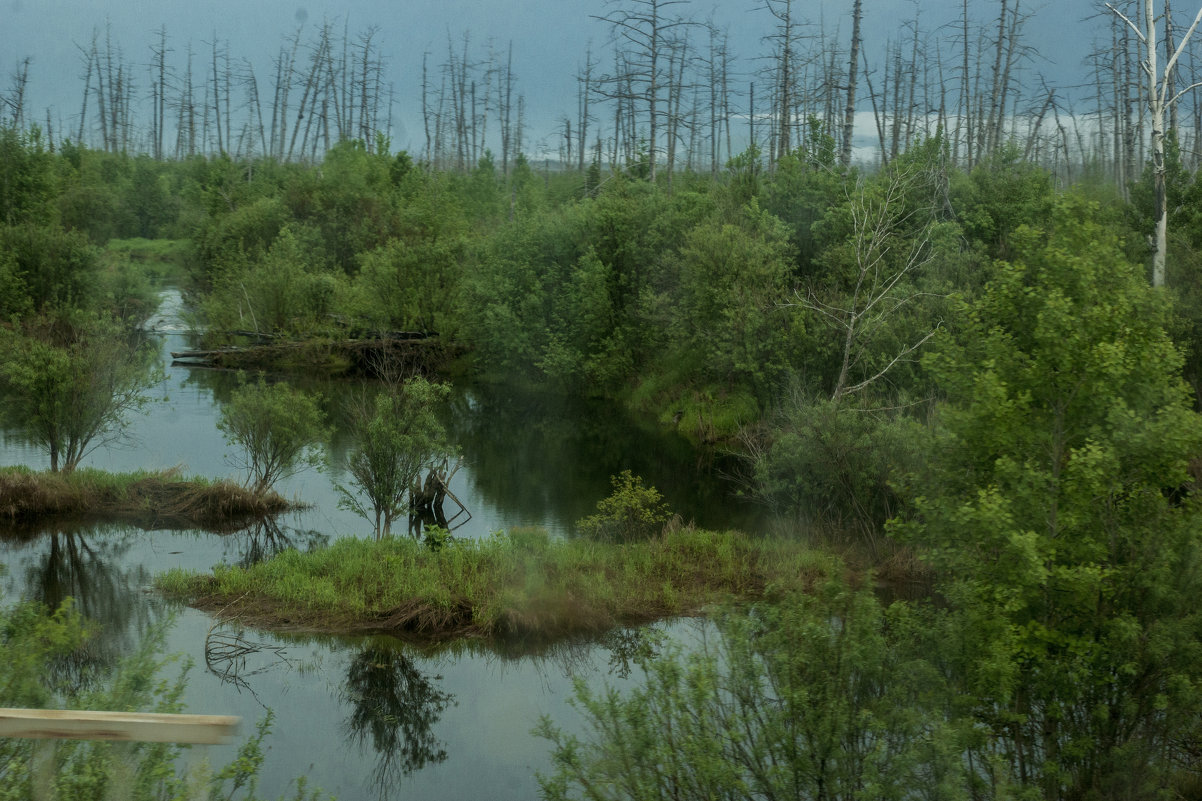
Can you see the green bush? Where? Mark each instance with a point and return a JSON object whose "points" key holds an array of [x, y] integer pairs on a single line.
{"points": [[833, 464], [824, 696], [632, 512]]}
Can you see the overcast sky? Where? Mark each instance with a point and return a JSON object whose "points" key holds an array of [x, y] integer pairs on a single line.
{"points": [[549, 39]]}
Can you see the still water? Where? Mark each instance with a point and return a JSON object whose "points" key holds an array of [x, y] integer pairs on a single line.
{"points": [[363, 718]]}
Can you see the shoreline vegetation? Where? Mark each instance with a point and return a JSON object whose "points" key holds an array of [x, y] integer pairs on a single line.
{"points": [[161, 499], [520, 584]]}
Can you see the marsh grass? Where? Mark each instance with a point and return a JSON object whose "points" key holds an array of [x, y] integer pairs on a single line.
{"points": [[163, 498], [519, 584]]}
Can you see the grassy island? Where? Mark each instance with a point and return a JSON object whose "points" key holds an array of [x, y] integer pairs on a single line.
{"points": [[162, 498], [516, 584]]}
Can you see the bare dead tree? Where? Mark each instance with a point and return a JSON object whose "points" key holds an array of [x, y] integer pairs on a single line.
{"points": [[185, 141], [849, 110], [15, 98], [215, 96], [584, 79], [158, 91], [643, 31], [504, 88]]}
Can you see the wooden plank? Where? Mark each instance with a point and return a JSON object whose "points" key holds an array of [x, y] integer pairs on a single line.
{"points": [[146, 727]]}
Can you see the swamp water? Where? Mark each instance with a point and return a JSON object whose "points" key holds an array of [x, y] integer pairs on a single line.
{"points": [[363, 717]]}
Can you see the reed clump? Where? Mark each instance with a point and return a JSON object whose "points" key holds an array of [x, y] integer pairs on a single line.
{"points": [[166, 498], [516, 584]]}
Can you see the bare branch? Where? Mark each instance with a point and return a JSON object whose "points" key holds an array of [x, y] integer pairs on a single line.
{"points": [[1132, 25]]}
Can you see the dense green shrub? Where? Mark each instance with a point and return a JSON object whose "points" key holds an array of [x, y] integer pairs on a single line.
{"points": [[632, 512], [822, 696]]}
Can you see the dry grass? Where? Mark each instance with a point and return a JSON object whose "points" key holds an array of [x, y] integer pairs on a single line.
{"points": [[164, 499]]}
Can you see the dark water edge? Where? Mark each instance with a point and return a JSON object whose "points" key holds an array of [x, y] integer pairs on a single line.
{"points": [[366, 718]]}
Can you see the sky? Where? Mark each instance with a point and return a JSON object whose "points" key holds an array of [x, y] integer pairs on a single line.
{"points": [[549, 39]]}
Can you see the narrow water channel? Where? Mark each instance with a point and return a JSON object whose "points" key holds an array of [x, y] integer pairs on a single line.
{"points": [[362, 718]]}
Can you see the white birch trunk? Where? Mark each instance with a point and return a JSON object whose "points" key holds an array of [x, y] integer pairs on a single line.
{"points": [[1161, 98]]}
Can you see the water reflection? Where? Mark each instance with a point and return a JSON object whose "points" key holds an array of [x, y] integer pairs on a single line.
{"points": [[267, 537], [546, 459], [452, 726], [91, 571], [394, 708], [234, 658]]}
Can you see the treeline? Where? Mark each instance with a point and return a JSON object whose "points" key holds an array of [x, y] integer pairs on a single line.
{"points": [[783, 313], [753, 309], [665, 87]]}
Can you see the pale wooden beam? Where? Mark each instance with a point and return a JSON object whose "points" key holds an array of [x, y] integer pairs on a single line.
{"points": [[147, 727]]}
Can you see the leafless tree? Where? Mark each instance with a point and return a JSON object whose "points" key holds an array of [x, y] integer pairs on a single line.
{"points": [[644, 32], [849, 110]]}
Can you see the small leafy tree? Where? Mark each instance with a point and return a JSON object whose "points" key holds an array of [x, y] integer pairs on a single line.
{"points": [[72, 398], [277, 428], [632, 512], [397, 436]]}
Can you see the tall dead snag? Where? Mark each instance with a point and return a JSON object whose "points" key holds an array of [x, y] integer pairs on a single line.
{"points": [[16, 96], [1159, 100], [785, 84], [185, 139], [584, 80], [158, 90], [849, 111]]}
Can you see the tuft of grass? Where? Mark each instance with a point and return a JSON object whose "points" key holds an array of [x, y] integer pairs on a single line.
{"points": [[163, 498], [520, 584]]}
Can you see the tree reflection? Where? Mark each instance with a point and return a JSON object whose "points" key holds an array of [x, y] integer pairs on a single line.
{"points": [[394, 706], [542, 457], [266, 538], [83, 566]]}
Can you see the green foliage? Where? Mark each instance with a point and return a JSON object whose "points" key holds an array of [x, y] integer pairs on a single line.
{"points": [[410, 284], [631, 512], [874, 293], [26, 178], [833, 465], [436, 538], [397, 435], [569, 294], [1053, 513], [285, 292], [999, 195], [71, 398], [46, 269], [278, 428], [230, 241], [728, 326], [822, 696], [349, 201], [745, 170]]}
